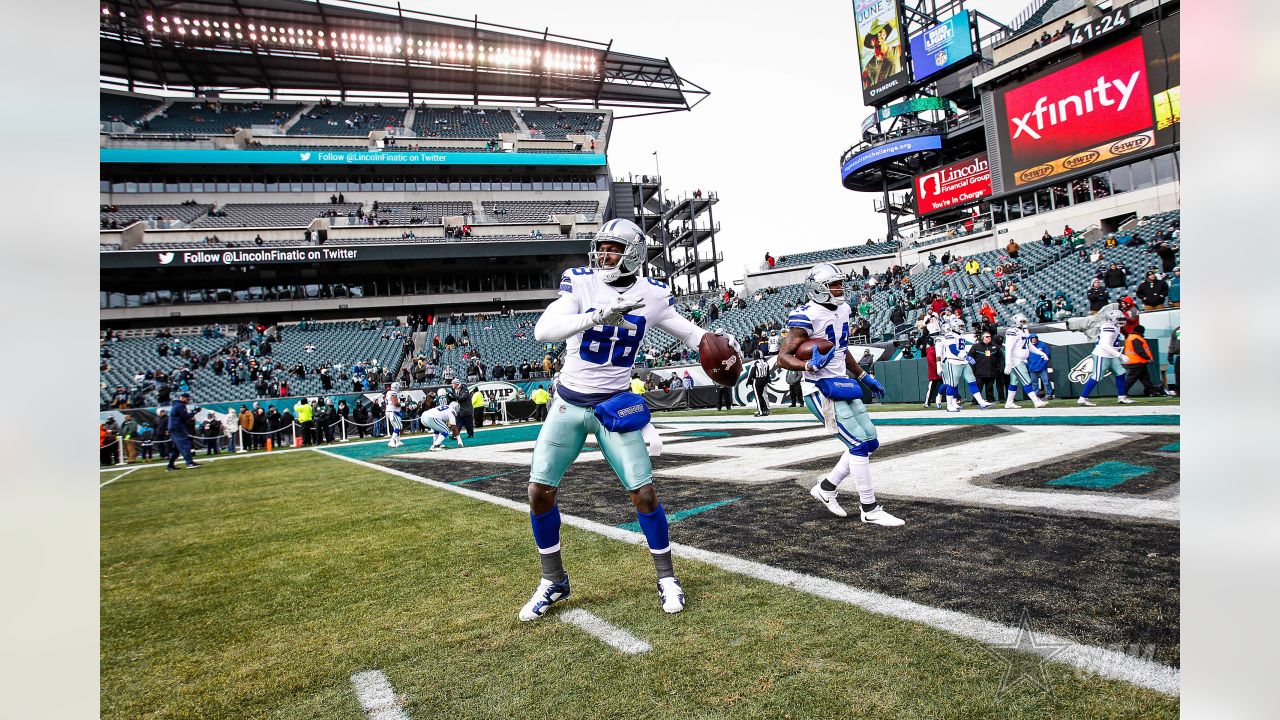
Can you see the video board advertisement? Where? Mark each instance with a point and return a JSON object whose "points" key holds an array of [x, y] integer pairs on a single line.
{"points": [[941, 47], [952, 185], [881, 59], [1093, 110]]}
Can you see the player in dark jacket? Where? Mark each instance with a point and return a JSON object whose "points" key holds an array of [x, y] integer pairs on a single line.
{"points": [[179, 436]]}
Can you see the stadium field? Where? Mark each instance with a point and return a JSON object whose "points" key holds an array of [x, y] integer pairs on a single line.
{"points": [[260, 586]]}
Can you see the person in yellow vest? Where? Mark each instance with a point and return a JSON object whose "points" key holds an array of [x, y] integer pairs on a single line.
{"points": [[1137, 356], [540, 398], [477, 408], [303, 413], [637, 385]]}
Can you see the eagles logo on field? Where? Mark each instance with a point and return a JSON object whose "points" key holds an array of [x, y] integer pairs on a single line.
{"points": [[1083, 369]]}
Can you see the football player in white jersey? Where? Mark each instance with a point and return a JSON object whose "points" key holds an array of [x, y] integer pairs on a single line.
{"points": [[830, 394], [604, 311], [957, 367], [1108, 354], [442, 422], [391, 403], [1017, 348]]}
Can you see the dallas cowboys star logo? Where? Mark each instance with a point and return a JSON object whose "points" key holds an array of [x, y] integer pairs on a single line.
{"points": [[1025, 658]]}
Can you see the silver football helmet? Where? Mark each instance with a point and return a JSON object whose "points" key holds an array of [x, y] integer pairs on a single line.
{"points": [[1020, 321], [455, 408], [1114, 316], [395, 387], [955, 325], [625, 233], [819, 281]]}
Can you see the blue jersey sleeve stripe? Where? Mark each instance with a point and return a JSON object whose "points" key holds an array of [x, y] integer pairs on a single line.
{"points": [[800, 324]]}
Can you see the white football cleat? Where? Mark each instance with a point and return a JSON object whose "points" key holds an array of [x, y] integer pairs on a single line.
{"points": [[1011, 405], [391, 443], [879, 516], [1084, 402], [828, 499], [1123, 400], [459, 438], [1035, 400], [986, 406], [547, 594], [671, 595]]}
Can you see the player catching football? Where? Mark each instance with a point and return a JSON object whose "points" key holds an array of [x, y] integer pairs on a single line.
{"points": [[603, 311], [830, 395]]}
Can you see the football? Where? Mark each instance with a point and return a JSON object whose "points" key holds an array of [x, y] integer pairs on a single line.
{"points": [[718, 358], [805, 351]]}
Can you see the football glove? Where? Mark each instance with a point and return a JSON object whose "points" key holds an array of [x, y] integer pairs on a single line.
{"points": [[614, 312], [819, 359], [733, 342], [877, 390]]}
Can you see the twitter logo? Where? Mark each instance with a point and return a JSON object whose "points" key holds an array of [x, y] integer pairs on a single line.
{"points": [[166, 258], [304, 156]]}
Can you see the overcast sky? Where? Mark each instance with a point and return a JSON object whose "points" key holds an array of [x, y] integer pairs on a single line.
{"points": [[785, 103]]}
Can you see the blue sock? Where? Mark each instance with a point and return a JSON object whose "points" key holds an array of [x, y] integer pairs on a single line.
{"points": [[1089, 385], [1013, 390], [546, 529], [654, 526], [1028, 389], [1122, 385], [973, 388]]}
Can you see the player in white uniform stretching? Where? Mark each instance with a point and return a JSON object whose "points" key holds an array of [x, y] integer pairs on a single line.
{"points": [[1108, 354], [392, 405], [956, 367], [1017, 348], [442, 422], [603, 311], [831, 395]]}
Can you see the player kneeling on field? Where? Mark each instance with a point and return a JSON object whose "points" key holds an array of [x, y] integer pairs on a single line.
{"points": [[442, 422], [604, 310], [830, 394]]}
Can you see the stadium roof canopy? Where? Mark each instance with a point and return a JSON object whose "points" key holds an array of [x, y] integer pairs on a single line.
{"points": [[356, 49]]}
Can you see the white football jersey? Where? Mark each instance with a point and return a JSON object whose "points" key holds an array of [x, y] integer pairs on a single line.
{"points": [[443, 414], [387, 401], [1110, 341], [832, 324], [955, 349], [599, 359], [1017, 344]]}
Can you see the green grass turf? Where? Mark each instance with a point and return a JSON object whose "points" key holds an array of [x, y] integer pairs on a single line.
{"points": [[256, 587]]}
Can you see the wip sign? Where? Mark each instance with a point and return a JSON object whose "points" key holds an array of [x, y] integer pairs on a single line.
{"points": [[1056, 123], [952, 185]]}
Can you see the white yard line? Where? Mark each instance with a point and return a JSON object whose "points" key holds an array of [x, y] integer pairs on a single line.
{"points": [[126, 472], [1095, 660], [377, 697], [611, 635]]}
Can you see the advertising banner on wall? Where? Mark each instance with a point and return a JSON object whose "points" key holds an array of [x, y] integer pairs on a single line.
{"points": [[889, 150], [1091, 111], [942, 46], [881, 60], [952, 185], [339, 157]]}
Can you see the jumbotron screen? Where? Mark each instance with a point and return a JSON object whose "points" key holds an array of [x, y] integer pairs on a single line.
{"points": [[1098, 108]]}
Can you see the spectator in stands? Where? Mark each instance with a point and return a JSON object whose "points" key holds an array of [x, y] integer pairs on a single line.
{"points": [[1068, 233], [1046, 238], [1063, 308], [1097, 295], [987, 312], [988, 365], [1044, 309], [972, 266], [933, 259], [1175, 288], [1012, 248], [1114, 277], [1152, 292], [769, 260], [1168, 255], [1095, 255]]}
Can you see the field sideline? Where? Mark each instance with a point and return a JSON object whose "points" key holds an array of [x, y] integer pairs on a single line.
{"points": [[258, 588]]}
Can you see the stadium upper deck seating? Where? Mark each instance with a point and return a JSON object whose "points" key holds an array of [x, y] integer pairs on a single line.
{"points": [[537, 211], [421, 213], [126, 214], [210, 118], [558, 125], [124, 108], [334, 119], [272, 214], [494, 336], [462, 122], [838, 254]]}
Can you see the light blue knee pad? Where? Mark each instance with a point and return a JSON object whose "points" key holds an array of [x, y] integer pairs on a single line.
{"points": [[563, 435], [853, 423]]}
